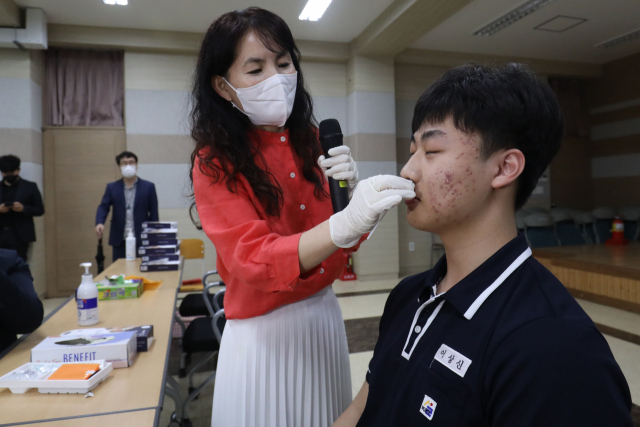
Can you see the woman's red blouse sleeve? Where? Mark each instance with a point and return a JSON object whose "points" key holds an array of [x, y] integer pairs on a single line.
{"points": [[249, 249]]}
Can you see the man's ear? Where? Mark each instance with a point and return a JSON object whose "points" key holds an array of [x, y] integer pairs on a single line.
{"points": [[221, 87], [510, 165]]}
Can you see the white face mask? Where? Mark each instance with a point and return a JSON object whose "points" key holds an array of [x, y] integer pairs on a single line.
{"points": [[270, 102], [128, 171]]}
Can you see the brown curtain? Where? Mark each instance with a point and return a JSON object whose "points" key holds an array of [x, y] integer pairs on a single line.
{"points": [[572, 99], [84, 87]]}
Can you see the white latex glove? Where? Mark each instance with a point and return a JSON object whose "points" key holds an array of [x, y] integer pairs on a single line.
{"points": [[340, 166], [372, 198]]}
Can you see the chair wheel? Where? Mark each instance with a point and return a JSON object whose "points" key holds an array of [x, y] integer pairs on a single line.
{"points": [[186, 423], [182, 373], [191, 390]]}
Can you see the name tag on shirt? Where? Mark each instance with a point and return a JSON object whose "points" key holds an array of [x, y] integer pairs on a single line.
{"points": [[452, 360]]}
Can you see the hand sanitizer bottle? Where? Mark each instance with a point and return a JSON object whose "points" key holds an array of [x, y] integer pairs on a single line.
{"points": [[131, 246], [87, 298]]}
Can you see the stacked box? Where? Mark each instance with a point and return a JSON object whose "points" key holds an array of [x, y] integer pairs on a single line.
{"points": [[160, 250]]}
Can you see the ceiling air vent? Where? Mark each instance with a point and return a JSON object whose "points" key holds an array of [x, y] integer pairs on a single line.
{"points": [[560, 24]]}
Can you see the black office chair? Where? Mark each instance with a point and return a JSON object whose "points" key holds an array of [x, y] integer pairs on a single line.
{"points": [[194, 305], [216, 324], [204, 335]]}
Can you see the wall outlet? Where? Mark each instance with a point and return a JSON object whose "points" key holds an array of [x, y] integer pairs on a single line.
{"points": [[412, 247]]}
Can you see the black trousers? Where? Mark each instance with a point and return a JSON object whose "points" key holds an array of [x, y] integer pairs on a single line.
{"points": [[9, 240]]}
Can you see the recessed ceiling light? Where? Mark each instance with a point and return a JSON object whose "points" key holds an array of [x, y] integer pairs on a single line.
{"points": [[116, 2], [314, 10], [509, 18], [627, 37]]}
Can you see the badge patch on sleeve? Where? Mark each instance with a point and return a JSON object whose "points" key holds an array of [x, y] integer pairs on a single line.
{"points": [[452, 360], [428, 407]]}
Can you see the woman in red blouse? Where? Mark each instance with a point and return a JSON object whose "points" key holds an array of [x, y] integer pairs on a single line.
{"points": [[262, 199]]}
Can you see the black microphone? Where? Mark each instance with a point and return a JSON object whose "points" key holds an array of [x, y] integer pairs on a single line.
{"points": [[331, 137]]}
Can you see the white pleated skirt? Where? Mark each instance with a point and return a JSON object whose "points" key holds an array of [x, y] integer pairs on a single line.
{"points": [[287, 368]]}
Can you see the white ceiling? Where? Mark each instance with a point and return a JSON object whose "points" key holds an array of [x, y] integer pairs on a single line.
{"points": [[606, 19], [343, 20]]}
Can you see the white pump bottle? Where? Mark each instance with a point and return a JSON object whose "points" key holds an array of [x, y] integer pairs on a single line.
{"points": [[87, 298], [130, 246]]}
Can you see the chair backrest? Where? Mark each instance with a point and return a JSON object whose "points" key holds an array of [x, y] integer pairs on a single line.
{"points": [[604, 213], [561, 214], [584, 221], [218, 300], [540, 231], [208, 301], [218, 323], [192, 248], [520, 215]]}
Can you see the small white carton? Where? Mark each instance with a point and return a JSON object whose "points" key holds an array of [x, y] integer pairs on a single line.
{"points": [[117, 348]]}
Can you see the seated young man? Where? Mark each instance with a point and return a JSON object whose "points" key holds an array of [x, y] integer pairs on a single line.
{"points": [[488, 337]]}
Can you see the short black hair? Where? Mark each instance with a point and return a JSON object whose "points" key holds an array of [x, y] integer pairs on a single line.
{"points": [[9, 163], [125, 154], [508, 106]]}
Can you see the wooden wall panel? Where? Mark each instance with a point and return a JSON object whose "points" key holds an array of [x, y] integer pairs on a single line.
{"points": [[619, 82], [78, 164], [571, 175]]}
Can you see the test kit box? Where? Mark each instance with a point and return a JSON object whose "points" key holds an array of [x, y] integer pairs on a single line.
{"points": [[144, 335], [118, 348], [159, 224], [159, 233], [151, 258], [160, 266], [159, 250], [134, 289], [159, 242]]}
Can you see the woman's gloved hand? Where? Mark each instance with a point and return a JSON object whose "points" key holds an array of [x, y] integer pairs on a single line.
{"points": [[340, 166], [371, 199]]}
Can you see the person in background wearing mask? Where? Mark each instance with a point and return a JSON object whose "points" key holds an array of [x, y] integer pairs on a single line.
{"points": [[262, 198], [20, 201], [134, 201]]}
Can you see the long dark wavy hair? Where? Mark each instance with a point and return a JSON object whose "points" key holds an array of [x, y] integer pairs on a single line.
{"points": [[224, 133]]}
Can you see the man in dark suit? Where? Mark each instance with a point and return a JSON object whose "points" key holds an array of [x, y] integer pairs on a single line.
{"points": [[134, 201], [20, 201], [21, 311]]}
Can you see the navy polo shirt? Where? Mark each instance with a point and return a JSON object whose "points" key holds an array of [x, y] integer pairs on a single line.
{"points": [[506, 346]]}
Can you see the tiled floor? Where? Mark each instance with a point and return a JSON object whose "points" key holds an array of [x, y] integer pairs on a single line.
{"points": [[362, 303]]}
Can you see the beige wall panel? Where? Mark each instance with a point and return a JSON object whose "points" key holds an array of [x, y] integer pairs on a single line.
{"points": [[325, 79], [15, 64], [37, 262], [418, 260], [615, 146], [372, 147], [615, 116], [161, 148], [413, 80], [186, 230], [616, 192], [150, 71], [378, 257], [24, 143], [78, 164], [370, 75], [402, 151], [37, 66], [571, 175]]}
